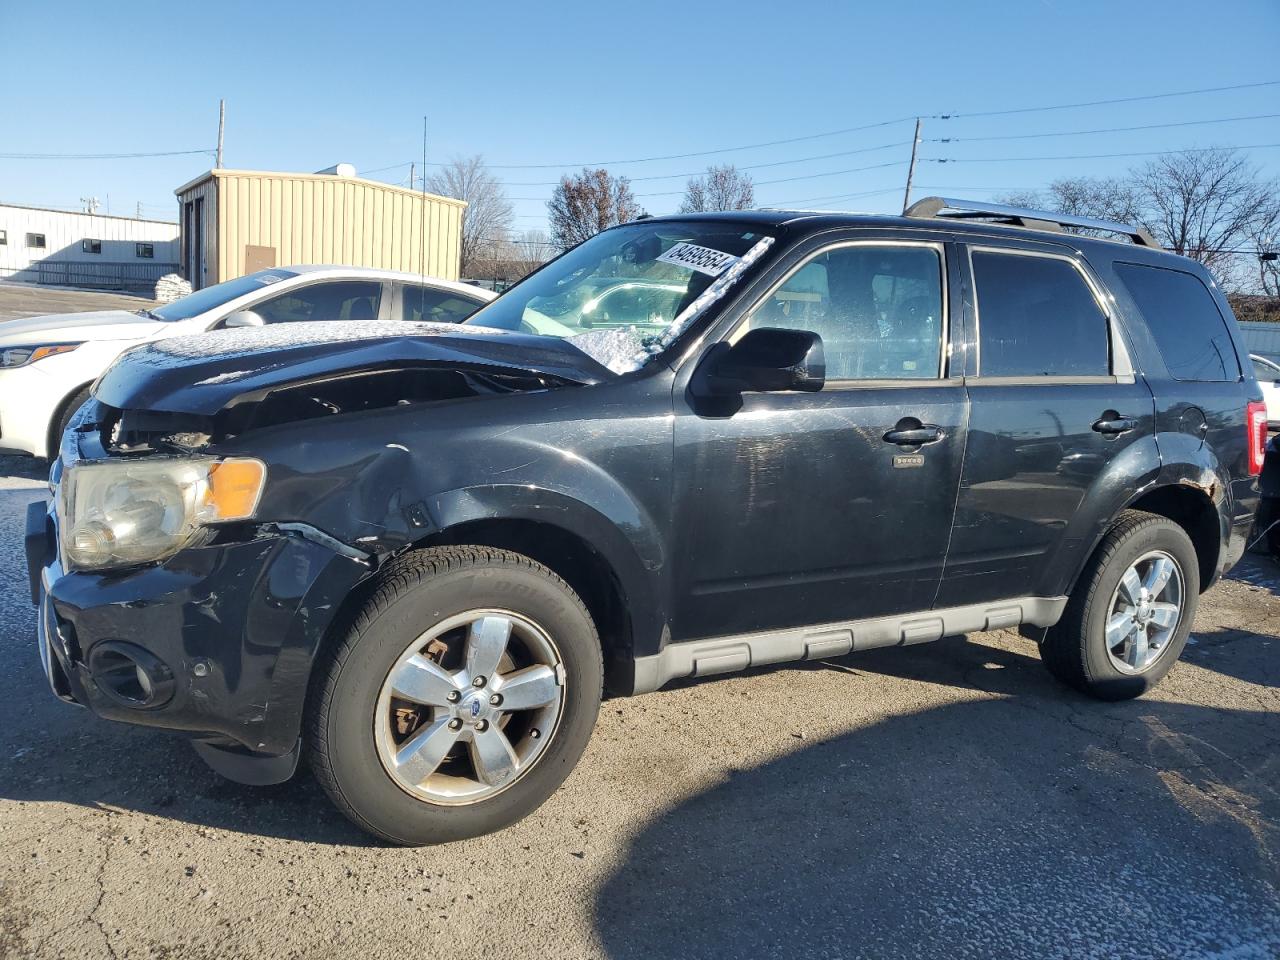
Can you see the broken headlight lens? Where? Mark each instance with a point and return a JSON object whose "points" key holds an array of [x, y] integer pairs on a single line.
{"points": [[127, 512]]}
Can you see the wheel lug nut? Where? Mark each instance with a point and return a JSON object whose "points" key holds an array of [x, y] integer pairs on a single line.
{"points": [[478, 682], [482, 725], [454, 696], [495, 700], [455, 724]]}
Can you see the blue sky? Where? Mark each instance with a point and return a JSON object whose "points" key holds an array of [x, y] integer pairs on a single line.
{"points": [[563, 83]]}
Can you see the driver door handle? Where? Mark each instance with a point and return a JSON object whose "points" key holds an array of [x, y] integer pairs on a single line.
{"points": [[927, 433], [1116, 426]]}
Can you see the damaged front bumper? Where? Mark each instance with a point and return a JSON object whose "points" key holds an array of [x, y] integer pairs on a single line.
{"points": [[218, 641]]}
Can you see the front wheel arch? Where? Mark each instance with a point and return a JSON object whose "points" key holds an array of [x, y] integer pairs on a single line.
{"points": [[62, 414]]}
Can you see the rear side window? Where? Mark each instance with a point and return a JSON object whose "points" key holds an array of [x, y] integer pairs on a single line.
{"points": [[438, 306], [1185, 321], [1037, 317]]}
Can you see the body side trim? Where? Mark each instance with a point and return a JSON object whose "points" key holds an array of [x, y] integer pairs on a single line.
{"points": [[700, 658]]}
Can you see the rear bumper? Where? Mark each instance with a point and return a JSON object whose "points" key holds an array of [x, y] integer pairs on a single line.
{"points": [[235, 628]]}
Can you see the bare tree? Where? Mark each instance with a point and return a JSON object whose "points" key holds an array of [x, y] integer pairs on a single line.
{"points": [[720, 188], [584, 204], [1203, 203], [1103, 198], [1264, 243], [487, 216], [528, 251]]}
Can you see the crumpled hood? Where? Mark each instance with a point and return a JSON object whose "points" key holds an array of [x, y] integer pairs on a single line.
{"points": [[77, 327], [205, 373]]}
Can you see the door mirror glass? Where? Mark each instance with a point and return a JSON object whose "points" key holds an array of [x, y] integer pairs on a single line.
{"points": [[767, 359], [244, 318]]}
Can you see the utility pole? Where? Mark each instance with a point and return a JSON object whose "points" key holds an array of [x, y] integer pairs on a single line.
{"points": [[90, 204], [911, 170], [138, 216], [222, 124], [412, 176]]}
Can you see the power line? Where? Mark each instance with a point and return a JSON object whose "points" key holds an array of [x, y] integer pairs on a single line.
{"points": [[100, 156], [1095, 156], [763, 183], [754, 166], [857, 129], [1081, 133], [1101, 103]]}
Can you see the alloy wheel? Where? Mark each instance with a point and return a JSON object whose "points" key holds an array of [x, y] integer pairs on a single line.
{"points": [[1145, 610], [469, 707]]}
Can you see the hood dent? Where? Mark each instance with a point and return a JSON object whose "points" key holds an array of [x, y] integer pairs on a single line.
{"points": [[238, 367]]}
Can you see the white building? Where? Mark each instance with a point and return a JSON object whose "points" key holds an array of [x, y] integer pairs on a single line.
{"points": [[84, 249]]}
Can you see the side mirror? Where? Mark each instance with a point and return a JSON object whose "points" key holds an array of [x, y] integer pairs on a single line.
{"points": [[768, 359], [244, 318]]}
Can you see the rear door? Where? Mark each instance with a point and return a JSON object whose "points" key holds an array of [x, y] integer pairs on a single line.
{"points": [[800, 508], [1053, 402]]}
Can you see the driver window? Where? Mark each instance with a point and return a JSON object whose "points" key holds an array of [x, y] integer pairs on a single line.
{"points": [[879, 310], [341, 300]]}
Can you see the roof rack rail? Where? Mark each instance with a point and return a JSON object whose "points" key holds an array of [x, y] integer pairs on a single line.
{"points": [[951, 208]]}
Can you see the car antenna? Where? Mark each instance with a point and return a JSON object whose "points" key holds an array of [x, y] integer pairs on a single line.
{"points": [[422, 247]]}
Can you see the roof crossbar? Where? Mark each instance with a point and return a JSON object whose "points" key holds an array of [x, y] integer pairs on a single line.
{"points": [[951, 208]]}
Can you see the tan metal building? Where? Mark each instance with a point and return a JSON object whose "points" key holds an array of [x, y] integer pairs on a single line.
{"points": [[234, 222]]}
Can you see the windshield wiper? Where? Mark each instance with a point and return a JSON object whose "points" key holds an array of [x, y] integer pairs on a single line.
{"points": [[149, 314]]}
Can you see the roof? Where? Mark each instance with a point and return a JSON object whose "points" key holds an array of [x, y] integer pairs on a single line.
{"points": [[224, 172], [82, 213], [342, 270], [814, 221]]}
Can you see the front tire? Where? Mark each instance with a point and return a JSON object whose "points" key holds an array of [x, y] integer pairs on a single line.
{"points": [[1129, 616], [459, 699]]}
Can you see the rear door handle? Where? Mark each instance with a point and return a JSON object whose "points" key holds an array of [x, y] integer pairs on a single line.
{"points": [[1115, 426], [928, 433]]}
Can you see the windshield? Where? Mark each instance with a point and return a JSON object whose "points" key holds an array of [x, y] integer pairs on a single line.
{"points": [[627, 293], [213, 297]]}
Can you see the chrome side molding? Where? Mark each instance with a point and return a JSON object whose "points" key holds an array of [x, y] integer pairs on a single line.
{"points": [[701, 658]]}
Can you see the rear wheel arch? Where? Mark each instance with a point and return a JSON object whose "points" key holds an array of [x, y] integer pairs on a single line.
{"points": [[1191, 508]]}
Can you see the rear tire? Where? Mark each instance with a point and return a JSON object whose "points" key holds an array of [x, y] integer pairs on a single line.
{"points": [[1114, 649], [371, 747]]}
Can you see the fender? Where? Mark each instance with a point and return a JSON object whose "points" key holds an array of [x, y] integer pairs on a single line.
{"points": [[637, 558], [387, 480]]}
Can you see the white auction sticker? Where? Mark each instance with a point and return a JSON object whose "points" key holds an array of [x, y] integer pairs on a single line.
{"points": [[703, 259]]}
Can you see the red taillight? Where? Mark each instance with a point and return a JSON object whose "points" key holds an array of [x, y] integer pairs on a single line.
{"points": [[1256, 418]]}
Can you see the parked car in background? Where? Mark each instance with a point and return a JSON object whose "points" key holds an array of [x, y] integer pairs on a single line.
{"points": [[1268, 374], [420, 559], [47, 363]]}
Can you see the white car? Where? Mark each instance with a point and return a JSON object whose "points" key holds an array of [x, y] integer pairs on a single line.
{"points": [[47, 364], [1268, 375]]}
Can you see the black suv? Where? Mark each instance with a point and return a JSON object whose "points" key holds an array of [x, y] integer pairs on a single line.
{"points": [[420, 558]]}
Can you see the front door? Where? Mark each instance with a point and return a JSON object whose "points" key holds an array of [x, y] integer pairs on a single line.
{"points": [[1053, 402], [807, 508]]}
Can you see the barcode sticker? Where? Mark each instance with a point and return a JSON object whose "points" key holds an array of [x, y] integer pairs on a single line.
{"points": [[703, 259]]}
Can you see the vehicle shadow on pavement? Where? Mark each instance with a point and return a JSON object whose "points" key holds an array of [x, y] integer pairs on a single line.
{"points": [[24, 468], [1030, 822]]}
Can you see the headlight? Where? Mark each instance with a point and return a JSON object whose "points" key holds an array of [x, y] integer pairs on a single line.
{"points": [[21, 356], [139, 511]]}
